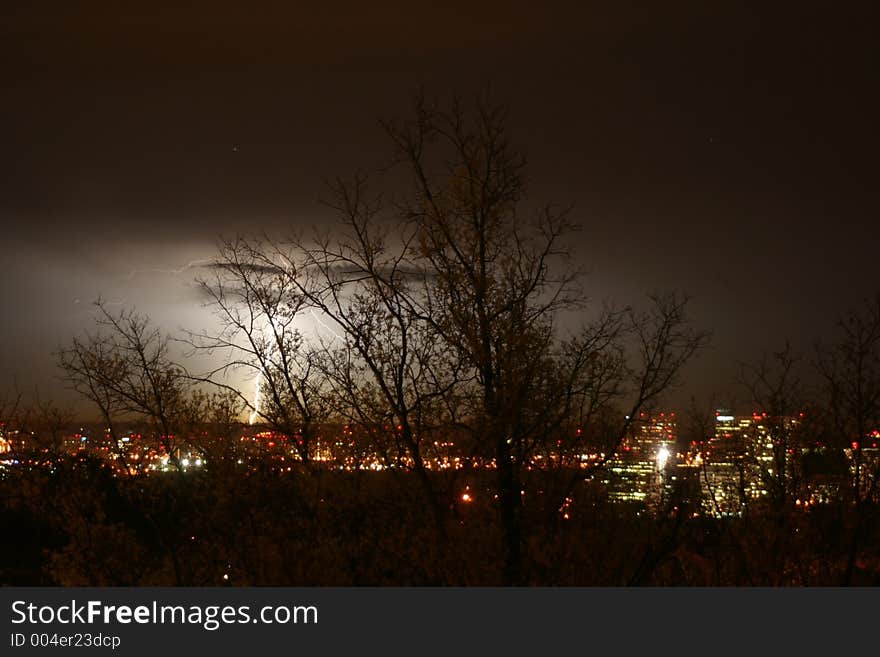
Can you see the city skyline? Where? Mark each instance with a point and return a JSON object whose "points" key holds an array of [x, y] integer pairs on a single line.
{"points": [[727, 469], [578, 294]]}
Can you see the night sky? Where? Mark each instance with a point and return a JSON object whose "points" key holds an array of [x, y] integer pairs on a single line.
{"points": [[723, 150]]}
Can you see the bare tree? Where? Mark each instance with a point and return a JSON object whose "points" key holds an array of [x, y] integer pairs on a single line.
{"points": [[259, 307], [776, 392], [387, 370], [498, 283], [88, 364], [493, 290], [126, 370], [850, 369], [647, 353], [12, 420]]}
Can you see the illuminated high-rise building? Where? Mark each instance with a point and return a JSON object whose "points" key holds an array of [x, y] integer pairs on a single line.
{"points": [[726, 467], [639, 470], [746, 458]]}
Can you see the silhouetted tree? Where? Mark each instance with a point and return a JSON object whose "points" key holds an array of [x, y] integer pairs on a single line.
{"points": [[776, 394], [258, 307], [850, 369], [495, 284], [125, 369], [388, 371]]}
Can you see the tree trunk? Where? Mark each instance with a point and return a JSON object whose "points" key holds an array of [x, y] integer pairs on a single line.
{"points": [[510, 506]]}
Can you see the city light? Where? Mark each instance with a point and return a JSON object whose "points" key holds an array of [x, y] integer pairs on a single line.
{"points": [[662, 457]]}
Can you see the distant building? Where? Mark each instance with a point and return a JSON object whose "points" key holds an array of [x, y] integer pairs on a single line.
{"points": [[644, 463], [726, 468]]}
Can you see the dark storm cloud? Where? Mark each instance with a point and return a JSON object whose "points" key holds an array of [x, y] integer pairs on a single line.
{"points": [[231, 287], [713, 147]]}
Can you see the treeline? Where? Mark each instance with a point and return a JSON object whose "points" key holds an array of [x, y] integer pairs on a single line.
{"points": [[448, 309]]}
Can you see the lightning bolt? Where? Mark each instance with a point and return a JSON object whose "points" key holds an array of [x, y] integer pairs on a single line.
{"points": [[258, 384], [258, 381], [321, 322]]}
